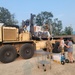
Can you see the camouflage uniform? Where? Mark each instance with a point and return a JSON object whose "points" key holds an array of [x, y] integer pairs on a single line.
{"points": [[49, 47]]}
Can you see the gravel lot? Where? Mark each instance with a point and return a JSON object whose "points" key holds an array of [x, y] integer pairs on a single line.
{"points": [[29, 67]]}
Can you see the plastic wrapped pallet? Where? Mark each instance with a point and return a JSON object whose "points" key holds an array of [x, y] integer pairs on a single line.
{"points": [[57, 57]]}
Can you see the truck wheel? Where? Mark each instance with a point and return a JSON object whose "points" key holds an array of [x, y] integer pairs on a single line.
{"points": [[27, 51], [56, 50], [7, 54]]}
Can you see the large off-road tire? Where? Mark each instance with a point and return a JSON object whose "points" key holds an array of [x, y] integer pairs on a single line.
{"points": [[8, 53], [27, 51], [56, 49]]}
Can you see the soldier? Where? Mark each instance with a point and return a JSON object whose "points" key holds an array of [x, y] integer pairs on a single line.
{"points": [[49, 46]]}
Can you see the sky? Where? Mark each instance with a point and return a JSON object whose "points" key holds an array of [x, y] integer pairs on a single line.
{"points": [[62, 9]]}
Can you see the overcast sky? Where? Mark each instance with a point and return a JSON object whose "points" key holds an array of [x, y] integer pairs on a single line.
{"points": [[62, 9]]}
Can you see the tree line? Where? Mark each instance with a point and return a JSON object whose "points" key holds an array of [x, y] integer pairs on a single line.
{"points": [[41, 19]]}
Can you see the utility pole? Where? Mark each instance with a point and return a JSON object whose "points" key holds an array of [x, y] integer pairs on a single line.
{"points": [[51, 29], [31, 24], [50, 26]]}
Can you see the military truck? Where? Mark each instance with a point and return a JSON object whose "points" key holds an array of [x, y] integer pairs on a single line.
{"points": [[13, 42]]}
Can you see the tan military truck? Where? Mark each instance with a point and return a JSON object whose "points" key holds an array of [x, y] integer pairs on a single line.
{"points": [[13, 42]]}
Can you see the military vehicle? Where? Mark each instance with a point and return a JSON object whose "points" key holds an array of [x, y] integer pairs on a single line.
{"points": [[14, 41]]}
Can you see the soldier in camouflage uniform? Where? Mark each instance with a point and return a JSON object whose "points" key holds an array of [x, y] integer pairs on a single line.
{"points": [[49, 46]]}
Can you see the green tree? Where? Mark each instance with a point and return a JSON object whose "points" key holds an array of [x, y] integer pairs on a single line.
{"points": [[6, 17], [68, 30], [57, 26], [43, 18]]}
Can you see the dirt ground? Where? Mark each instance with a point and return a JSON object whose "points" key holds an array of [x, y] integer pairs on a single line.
{"points": [[29, 67]]}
